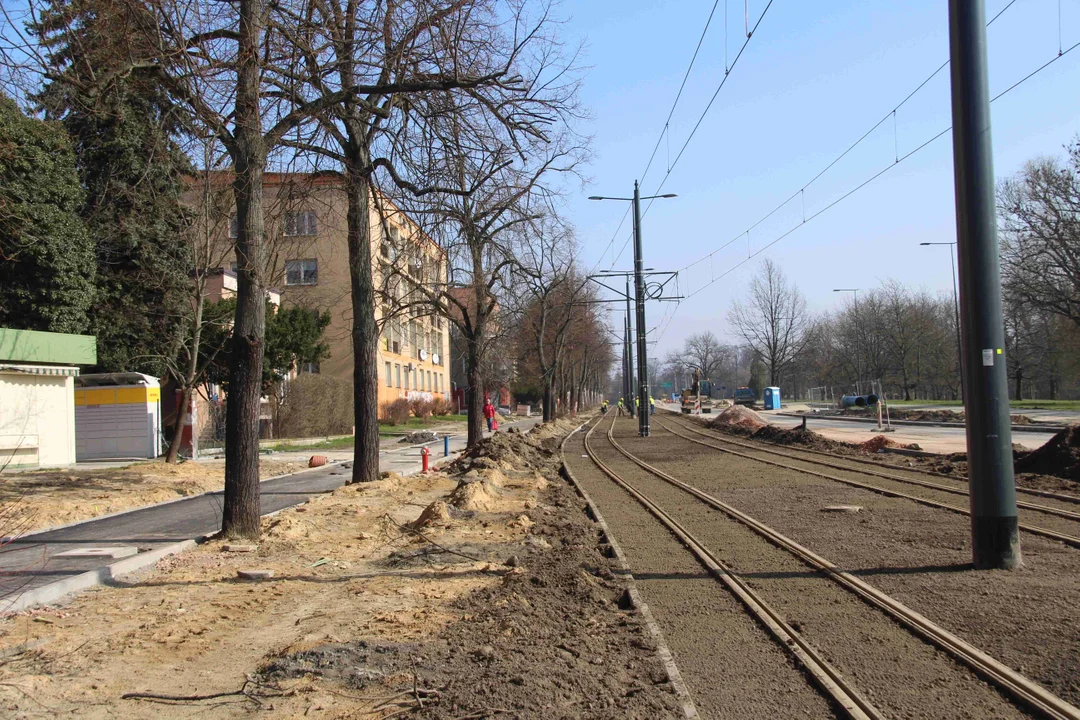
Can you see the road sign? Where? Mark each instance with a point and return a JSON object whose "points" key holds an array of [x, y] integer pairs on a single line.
{"points": [[666, 385]]}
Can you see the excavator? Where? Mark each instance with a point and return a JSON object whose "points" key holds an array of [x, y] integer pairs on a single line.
{"points": [[698, 396]]}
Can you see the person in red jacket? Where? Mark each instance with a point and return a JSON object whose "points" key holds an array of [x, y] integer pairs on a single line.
{"points": [[489, 413]]}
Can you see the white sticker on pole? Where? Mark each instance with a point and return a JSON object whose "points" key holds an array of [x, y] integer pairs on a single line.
{"points": [[988, 357]]}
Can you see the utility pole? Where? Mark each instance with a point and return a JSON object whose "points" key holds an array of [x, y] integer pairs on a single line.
{"points": [[995, 542], [639, 296], [629, 356]]}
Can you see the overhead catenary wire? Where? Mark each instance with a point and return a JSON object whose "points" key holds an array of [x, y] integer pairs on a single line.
{"points": [[850, 192], [890, 114], [750, 32], [666, 130]]}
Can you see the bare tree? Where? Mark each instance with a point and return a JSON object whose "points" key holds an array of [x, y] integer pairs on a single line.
{"points": [[773, 321], [388, 74], [704, 353], [1039, 211]]}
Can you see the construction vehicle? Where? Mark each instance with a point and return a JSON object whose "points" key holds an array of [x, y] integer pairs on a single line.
{"points": [[697, 397], [745, 396]]}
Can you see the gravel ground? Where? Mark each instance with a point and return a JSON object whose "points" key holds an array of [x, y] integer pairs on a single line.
{"points": [[1027, 516], [901, 675], [731, 665], [1026, 618]]}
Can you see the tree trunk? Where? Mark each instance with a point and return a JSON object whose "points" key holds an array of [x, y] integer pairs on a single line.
{"points": [[474, 393], [1019, 385], [549, 400], [365, 331], [187, 383], [240, 512]]}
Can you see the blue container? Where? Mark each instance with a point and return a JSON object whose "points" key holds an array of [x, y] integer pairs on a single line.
{"points": [[772, 398]]}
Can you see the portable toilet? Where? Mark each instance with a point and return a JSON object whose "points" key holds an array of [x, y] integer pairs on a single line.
{"points": [[117, 415], [772, 398]]}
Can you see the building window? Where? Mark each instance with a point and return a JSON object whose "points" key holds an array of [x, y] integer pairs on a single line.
{"points": [[406, 377], [438, 382], [300, 223], [397, 374], [389, 379], [234, 226], [301, 272], [311, 368]]}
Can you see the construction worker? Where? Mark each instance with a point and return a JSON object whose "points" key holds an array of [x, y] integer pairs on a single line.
{"points": [[603, 406], [619, 409], [652, 405]]}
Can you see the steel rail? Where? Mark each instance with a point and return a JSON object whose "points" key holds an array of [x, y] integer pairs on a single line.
{"points": [[827, 677], [1017, 685], [1068, 514], [1072, 540]]}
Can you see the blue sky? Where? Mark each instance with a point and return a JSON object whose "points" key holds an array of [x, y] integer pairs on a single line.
{"points": [[812, 80]]}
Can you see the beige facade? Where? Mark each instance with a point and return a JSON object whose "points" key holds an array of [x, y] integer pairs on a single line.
{"points": [[37, 416], [309, 261]]}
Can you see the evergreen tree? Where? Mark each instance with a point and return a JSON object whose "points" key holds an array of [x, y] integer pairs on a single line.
{"points": [[131, 170], [46, 256]]}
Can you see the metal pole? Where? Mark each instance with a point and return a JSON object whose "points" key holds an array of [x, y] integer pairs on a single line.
{"points": [[858, 357], [629, 356], [639, 291], [995, 542]]}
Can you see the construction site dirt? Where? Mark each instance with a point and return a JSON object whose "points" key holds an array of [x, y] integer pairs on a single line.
{"points": [[482, 593], [918, 555]]}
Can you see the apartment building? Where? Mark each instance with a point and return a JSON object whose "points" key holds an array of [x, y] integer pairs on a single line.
{"points": [[309, 265]]}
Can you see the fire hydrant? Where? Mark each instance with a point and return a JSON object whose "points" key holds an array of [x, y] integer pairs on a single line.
{"points": [[424, 455]]}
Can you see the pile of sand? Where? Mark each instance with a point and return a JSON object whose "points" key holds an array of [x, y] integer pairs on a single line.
{"points": [[737, 416], [876, 443], [474, 496], [437, 513]]}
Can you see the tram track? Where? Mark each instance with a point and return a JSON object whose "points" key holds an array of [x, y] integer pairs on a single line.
{"points": [[755, 451], [1014, 684]]}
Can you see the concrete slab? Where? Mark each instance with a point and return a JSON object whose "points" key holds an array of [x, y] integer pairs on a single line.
{"points": [[114, 553]]}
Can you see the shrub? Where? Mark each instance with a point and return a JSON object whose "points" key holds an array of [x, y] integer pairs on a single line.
{"points": [[313, 406], [439, 406], [421, 408], [395, 412]]}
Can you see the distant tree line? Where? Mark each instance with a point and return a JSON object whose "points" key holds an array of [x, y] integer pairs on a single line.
{"points": [[906, 339]]}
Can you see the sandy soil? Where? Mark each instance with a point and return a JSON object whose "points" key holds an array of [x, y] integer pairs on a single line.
{"points": [[36, 500], [479, 594]]}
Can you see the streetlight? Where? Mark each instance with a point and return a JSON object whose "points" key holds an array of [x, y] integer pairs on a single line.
{"points": [[956, 312], [858, 360], [639, 291]]}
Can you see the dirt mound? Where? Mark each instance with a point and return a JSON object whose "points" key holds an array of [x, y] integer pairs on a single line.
{"points": [[418, 437], [434, 514], [1060, 457], [475, 496], [737, 416], [795, 436], [511, 451], [876, 443]]}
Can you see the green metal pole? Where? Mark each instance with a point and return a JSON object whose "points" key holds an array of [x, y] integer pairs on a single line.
{"points": [[995, 542]]}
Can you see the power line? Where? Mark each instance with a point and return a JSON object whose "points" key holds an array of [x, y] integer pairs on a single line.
{"points": [[801, 191], [663, 132], [727, 74], [878, 174], [678, 95]]}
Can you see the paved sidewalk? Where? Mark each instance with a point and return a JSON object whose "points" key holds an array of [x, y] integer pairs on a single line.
{"points": [[27, 563]]}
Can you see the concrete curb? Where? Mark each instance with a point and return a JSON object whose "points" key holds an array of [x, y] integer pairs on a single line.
{"points": [[100, 576], [160, 504], [662, 650], [922, 423]]}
